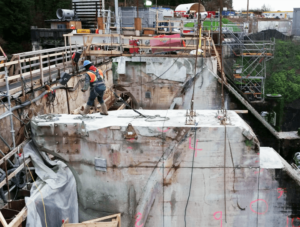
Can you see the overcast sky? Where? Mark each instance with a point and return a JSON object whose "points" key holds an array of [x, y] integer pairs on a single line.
{"points": [[274, 5]]}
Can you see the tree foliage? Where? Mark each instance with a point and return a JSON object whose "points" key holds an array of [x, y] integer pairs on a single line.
{"points": [[283, 72], [18, 15]]}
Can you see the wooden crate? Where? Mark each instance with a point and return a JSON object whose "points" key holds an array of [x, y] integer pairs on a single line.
{"points": [[68, 24], [149, 32]]}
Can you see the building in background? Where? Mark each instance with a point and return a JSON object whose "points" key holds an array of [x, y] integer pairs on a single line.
{"points": [[296, 22], [278, 14]]}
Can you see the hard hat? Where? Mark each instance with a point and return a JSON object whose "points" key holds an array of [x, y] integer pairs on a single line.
{"points": [[86, 62]]}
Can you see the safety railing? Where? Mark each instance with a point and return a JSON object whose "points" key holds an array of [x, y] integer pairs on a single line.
{"points": [[118, 45]]}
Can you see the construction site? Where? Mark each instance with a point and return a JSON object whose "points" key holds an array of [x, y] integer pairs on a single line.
{"points": [[184, 133]]}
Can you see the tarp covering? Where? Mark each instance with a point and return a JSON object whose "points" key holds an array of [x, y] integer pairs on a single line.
{"points": [[269, 34], [191, 6], [57, 185]]}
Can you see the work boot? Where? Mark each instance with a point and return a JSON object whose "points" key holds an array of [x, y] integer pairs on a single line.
{"points": [[104, 109], [86, 110]]}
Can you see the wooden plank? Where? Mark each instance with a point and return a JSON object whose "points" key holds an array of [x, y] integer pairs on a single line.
{"points": [[119, 220], [102, 219], [100, 22], [257, 54], [241, 111], [2, 220], [14, 173], [249, 93], [110, 224], [11, 153], [17, 221], [188, 47], [137, 23], [65, 222]]}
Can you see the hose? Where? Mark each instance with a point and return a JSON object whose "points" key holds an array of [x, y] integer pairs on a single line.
{"points": [[27, 103]]}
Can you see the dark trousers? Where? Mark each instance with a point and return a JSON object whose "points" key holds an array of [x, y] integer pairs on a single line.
{"points": [[97, 91]]}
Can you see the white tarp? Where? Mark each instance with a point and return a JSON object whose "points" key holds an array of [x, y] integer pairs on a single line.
{"points": [[57, 186]]}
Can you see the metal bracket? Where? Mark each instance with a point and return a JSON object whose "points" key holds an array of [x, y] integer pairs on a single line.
{"points": [[190, 117], [100, 164], [130, 133]]}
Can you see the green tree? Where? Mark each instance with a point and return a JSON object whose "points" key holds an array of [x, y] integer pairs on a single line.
{"points": [[18, 15], [284, 71]]}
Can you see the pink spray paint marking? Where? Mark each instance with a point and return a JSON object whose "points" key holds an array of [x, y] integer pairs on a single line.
{"points": [[280, 191], [260, 213], [138, 217], [219, 218], [129, 148], [260, 171], [190, 146], [158, 129], [293, 222]]}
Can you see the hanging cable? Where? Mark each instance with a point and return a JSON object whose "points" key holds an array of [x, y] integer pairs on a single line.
{"points": [[192, 171]]}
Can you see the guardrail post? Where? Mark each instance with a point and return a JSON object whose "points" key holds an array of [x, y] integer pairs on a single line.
{"points": [[9, 108], [22, 81], [41, 70]]}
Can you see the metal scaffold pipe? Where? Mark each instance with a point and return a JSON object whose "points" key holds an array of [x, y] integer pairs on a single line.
{"points": [[9, 108], [117, 16]]}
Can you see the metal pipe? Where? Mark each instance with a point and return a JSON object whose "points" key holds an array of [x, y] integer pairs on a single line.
{"points": [[12, 165], [247, 10], [117, 16], [7, 183], [9, 109], [4, 141]]}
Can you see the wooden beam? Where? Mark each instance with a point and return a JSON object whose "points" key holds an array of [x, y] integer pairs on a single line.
{"points": [[17, 221], [123, 105], [14, 173], [100, 224], [2, 220], [241, 111], [11, 153], [103, 218]]}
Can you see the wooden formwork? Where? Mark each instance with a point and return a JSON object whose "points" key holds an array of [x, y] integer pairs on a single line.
{"points": [[14, 212], [115, 221]]}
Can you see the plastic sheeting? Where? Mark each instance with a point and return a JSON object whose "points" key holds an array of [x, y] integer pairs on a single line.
{"points": [[57, 185]]}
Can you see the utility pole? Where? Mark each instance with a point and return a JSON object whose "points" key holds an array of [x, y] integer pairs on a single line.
{"points": [[220, 21], [247, 10]]}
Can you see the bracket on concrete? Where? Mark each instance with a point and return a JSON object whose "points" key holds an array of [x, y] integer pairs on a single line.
{"points": [[190, 120], [130, 133]]}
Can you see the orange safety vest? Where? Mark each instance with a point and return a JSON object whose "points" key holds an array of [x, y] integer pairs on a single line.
{"points": [[94, 77]]}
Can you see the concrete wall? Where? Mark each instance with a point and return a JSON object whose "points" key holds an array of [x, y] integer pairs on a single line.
{"points": [[169, 82], [147, 179], [296, 22]]}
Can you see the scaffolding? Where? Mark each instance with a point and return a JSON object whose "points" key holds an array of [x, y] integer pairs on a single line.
{"points": [[245, 63]]}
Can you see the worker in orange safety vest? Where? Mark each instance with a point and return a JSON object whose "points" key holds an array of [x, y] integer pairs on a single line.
{"points": [[95, 80]]}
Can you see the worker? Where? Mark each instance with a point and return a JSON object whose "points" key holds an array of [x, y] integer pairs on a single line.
{"points": [[94, 78], [72, 26]]}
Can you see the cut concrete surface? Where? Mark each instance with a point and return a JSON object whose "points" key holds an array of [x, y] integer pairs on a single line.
{"points": [[142, 168]]}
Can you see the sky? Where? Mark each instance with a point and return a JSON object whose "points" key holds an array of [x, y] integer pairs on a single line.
{"points": [[274, 5]]}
